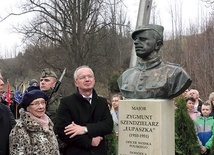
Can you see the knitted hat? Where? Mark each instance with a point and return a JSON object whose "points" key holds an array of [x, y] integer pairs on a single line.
{"points": [[32, 95], [157, 28], [32, 88], [32, 81], [47, 72]]}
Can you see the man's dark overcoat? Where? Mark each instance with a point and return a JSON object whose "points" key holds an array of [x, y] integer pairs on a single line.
{"points": [[5, 128], [96, 116]]}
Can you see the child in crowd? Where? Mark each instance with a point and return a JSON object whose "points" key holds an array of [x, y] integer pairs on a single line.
{"points": [[205, 128], [190, 108]]}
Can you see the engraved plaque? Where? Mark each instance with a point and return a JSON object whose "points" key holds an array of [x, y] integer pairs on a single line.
{"points": [[146, 127]]}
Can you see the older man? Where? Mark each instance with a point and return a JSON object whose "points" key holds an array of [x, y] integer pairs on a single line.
{"points": [[152, 78], [198, 102], [84, 118]]}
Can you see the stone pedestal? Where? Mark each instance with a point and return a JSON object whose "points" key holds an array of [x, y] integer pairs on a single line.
{"points": [[146, 127]]}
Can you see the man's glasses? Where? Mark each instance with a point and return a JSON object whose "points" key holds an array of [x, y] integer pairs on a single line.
{"points": [[86, 76]]}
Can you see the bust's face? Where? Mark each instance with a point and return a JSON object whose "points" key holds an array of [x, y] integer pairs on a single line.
{"points": [[145, 43]]}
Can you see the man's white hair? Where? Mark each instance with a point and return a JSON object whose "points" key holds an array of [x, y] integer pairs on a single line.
{"points": [[80, 67], [194, 90]]}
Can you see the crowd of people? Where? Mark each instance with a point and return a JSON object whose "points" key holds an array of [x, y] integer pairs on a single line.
{"points": [[77, 124], [33, 130], [202, 114], [51, 124]]}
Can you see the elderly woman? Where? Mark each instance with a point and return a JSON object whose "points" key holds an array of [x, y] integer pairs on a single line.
{"points": [[33, 133]]}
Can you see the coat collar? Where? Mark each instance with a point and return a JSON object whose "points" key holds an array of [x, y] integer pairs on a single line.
{"points": [[145, 65], [29, 123], [94, 100], [94, 94]]}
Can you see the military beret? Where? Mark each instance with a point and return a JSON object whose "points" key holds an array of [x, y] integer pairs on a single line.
{"points": [[158, 28], [32, 95], [47, 72]]}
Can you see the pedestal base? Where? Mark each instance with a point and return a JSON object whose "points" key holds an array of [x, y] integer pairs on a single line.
{"points": [[146, 127]]}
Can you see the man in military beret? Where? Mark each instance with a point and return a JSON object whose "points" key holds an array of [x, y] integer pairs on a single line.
{"points": [[152, 78], [48, 80]]}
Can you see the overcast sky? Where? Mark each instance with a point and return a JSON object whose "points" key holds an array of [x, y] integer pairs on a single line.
{"points": [[10, 41], [191, 10]]}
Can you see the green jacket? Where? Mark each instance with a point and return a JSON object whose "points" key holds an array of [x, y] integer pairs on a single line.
{"points": [[205, 130]]}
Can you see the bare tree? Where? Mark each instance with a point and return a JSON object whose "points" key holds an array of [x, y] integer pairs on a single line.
{"points": [[210, 3], [70, 33], [192, 51]]}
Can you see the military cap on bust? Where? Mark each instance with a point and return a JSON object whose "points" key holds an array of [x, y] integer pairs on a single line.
{"points": [[47, 72], [158, 28]]}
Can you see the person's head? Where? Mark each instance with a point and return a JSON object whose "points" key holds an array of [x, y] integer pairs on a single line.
{"points": [[1, 83], [12, 95], [194, 93], [33, 82], [84, 79], [185, 93], [33, 88], [115, 99], [148, 39], [211, 98], [48, 79], [190, 101], [34, 102], [206, 109]]}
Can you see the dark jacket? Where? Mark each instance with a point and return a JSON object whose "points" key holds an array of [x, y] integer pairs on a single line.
{"points": [[200, 102], [5, 128], [52, 105], [96, 116]]}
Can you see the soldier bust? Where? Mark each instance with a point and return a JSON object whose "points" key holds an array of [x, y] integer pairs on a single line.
{"points": [[152, 78]]}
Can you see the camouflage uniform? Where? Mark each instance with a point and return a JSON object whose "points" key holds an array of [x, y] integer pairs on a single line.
{"points": [[54, 101], [53, 104]]}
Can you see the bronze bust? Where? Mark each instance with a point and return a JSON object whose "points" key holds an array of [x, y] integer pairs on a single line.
{"points": [[152, 78]]}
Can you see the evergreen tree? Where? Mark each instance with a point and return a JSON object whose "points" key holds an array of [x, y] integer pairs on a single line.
{"points": [[111, 142], [186, 142], [113, 86]]}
